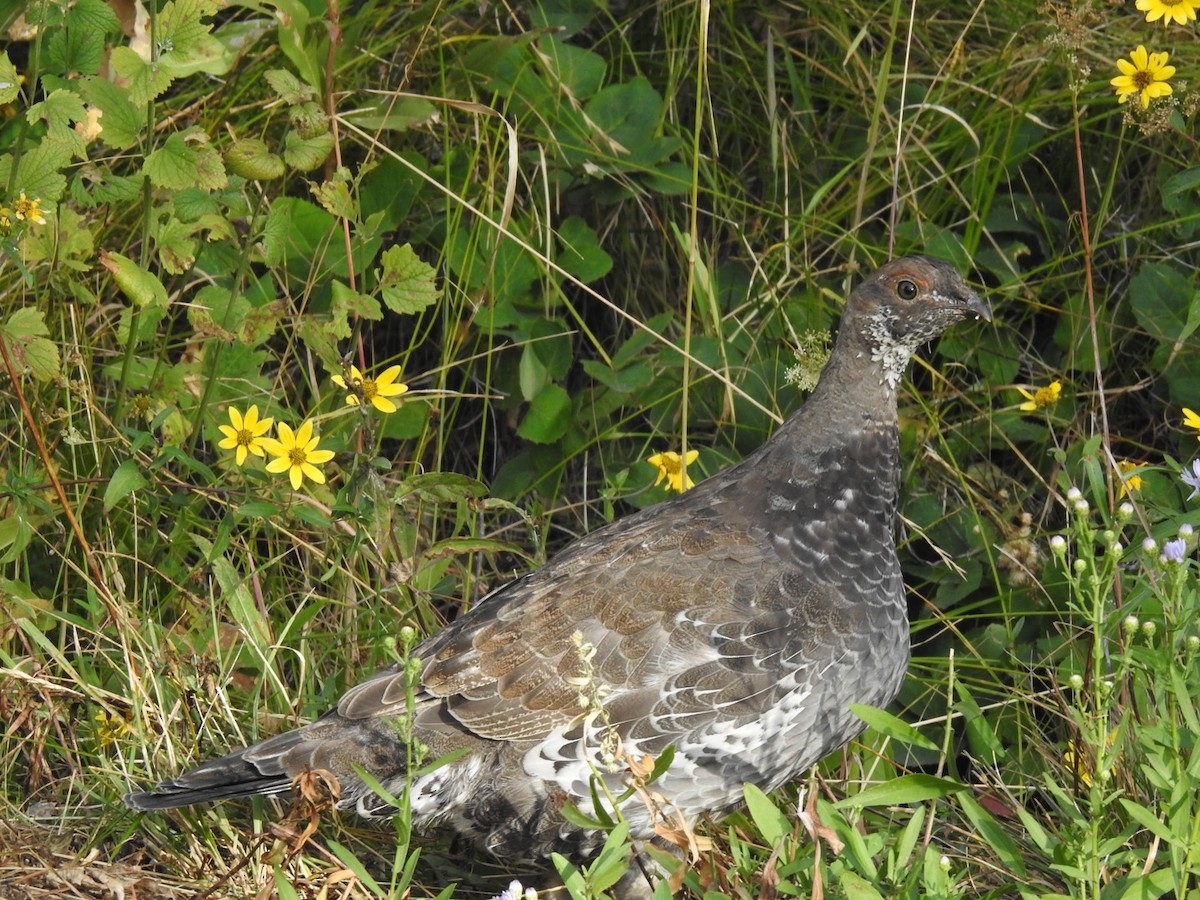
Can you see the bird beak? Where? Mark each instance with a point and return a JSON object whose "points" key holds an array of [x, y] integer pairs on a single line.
{"points": [[978, 306]]}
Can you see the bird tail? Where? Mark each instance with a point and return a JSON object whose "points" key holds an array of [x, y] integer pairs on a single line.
{"points": [[254, 770]]}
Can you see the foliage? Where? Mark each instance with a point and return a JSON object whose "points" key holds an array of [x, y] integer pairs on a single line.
{"points": [[589, 235]]}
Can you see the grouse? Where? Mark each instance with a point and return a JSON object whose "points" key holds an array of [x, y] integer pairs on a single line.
{"points": [[736, 622]]}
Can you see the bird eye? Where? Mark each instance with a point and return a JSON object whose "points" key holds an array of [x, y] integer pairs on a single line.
{"points": [[906, 289]]}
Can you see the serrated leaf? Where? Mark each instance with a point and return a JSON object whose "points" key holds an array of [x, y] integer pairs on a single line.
{"points": [[25, 336], [10, 81], [407, 283], [548, 417], [345, 303], [305, 154], [289, 88], [145, 81], [39, 173], [334, 196], [185, 161], [125, 480], [120, 122]]}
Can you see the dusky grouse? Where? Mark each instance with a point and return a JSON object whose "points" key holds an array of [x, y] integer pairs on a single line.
{"points": [[737, 622]]}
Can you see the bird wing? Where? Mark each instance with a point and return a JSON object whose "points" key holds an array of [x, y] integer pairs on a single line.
{"points": [[672, 628]]}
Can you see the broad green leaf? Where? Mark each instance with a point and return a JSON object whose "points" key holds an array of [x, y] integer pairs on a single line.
{"points": [[10, 81], [306, 154], [346, 303], [125, 480], [120, 122], [548, 417], [992, 834], [1165, 302], [580, 252], [771, 823], [26, 336], [251, 158], [407, 283], [856, 887], [146, 82], [140, 287]]}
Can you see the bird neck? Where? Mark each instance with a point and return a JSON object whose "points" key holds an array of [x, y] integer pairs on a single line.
{"points": [[858, 385]]}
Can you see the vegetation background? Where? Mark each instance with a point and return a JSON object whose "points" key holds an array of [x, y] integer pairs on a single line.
{"points": [[587, 233]]}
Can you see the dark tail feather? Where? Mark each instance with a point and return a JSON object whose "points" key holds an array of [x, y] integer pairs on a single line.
{"points": [[244, 773]]}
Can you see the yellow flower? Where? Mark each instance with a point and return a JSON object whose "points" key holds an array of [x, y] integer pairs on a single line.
{"points": [[373, 390], [109, 728], [1191, 420], [1144, 74], [1043, 396], [1084, 767], [1178, 10], [29, 209], [1129, 482], [244, 434], [296, 453], [670, 466]]}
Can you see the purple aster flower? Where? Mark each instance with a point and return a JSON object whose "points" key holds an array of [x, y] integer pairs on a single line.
{"points": [[1192, 478], [1173, 551]]}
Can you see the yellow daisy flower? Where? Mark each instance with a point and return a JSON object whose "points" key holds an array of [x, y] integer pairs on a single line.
{"points": [[1179, 11], [1129, 482], [296, 453], [244, 434], [1145, 74], [375, 391], [26, 209], [1043, 396], [1191, 420], [671, 466]]}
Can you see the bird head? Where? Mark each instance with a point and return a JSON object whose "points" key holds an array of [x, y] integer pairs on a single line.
{"points": [[904, 304]]}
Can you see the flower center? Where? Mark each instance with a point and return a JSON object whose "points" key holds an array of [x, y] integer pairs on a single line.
{"points": [[297, 456], [368, 388], [1142, 79], [245, 438]]}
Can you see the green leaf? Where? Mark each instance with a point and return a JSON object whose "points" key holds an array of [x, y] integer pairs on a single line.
{"points": [[10, 81], [990, 831], [334, 195], [291, 90], [856, 887], [121, 124], [914, 788], [145, 82], [407, 283], [890, 726], [581, 253], [251, 158], [1165, 302], [306, 154], [184, 161], [345, 303], [771, 823], [138, 285], [125, 480], [1148, 820], [548, 417], [26, 336]]}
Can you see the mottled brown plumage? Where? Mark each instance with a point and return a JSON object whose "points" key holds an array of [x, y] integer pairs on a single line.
{"points": [[737, 622]]}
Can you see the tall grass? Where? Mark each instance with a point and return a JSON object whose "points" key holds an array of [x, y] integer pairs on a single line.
{"points": [[620, 223]]}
